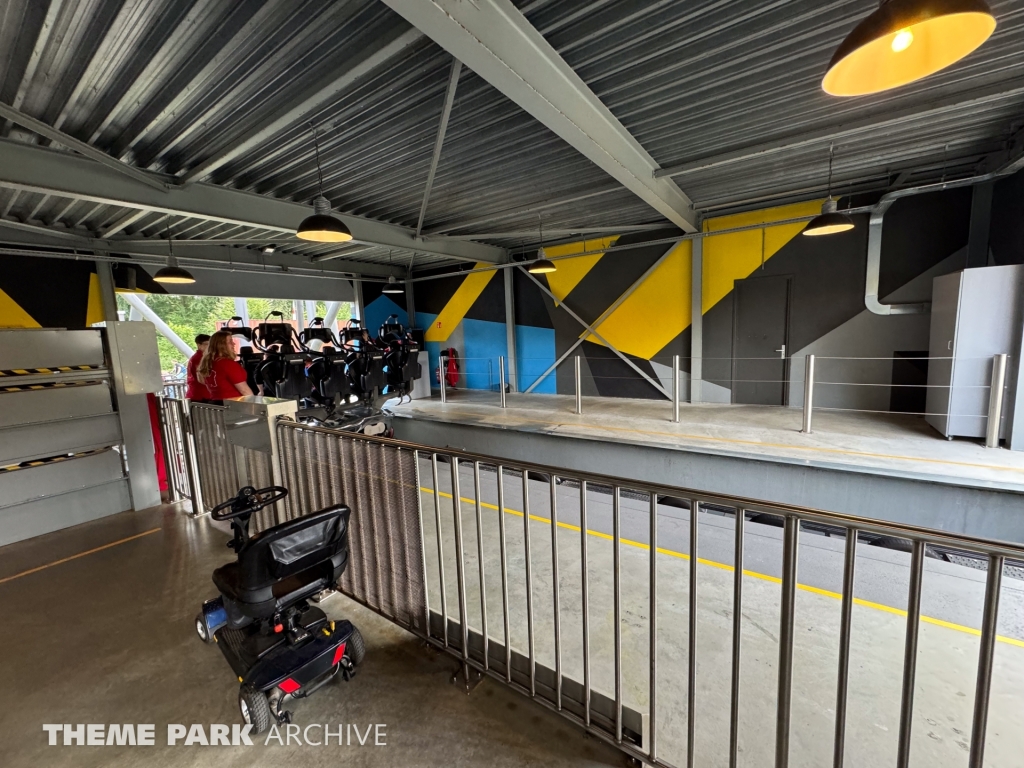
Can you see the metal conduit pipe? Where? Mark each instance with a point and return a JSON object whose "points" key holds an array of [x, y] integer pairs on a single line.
{"points": [[875, 237]]}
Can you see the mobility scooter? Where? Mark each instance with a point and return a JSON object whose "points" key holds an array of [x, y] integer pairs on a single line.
{"points": [[276, 642]]}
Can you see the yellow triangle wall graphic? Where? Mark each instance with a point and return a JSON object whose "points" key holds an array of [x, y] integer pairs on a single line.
{"points": [[657, 311], [458, 305], [13, 316], [728, 258], [571, 271]]}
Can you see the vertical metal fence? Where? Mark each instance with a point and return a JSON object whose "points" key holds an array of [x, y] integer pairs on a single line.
{"points": [[178, 452], [215, 456], [565, 586]]}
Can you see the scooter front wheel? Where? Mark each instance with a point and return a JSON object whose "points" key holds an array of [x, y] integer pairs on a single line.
{"points": [[202, 631]]}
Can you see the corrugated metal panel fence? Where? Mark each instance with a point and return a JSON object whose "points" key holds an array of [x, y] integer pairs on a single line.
{"points": [[379, 483]]}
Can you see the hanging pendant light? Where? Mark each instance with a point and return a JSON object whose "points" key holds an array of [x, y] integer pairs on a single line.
{"points": [[392, 285], [322, 227], [904, 41], [829, 221], [542, 264], [172, 273]]}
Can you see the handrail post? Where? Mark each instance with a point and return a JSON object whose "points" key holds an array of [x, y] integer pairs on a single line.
{"points": [[675, 388], [442, 369], [579, 388], [995, 401], [808, 393], [501, 379]]}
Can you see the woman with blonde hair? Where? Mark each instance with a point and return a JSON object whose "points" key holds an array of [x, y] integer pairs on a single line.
{"points": [[219, 372]]}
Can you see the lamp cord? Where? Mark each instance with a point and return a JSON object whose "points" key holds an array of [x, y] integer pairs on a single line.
{"points": [[831, 154], [316, 149]]}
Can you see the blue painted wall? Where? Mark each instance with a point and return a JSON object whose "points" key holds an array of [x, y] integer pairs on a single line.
{"points": [[535, 352], [377, 312]]}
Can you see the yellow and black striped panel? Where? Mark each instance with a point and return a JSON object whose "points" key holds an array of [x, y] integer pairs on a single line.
{"points": [[47, 385], [50, 460], [46, 371]]}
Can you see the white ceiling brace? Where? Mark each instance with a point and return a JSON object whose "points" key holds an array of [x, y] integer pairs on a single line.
{"points": [[496, 41]]}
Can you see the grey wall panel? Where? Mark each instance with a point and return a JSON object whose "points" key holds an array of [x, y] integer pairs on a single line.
{"points": [[34, 406], [45, 348], [975, 511], [21, 485], [38, 441], [33, 518]]}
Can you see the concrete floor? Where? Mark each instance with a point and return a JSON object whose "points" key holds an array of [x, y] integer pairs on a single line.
{"points": [[887, 444], [107, 637]]}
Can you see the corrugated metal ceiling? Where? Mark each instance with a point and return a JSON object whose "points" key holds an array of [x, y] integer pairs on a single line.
{"points": [[167, 85]]}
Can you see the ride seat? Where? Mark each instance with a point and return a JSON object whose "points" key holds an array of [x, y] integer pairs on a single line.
{"points": [[287, 563]]}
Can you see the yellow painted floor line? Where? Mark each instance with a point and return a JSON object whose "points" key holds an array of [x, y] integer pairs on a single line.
{"points": [[727, 567], [793, 446], [80, 554]]}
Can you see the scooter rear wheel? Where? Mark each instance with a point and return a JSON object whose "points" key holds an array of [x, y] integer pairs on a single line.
{"points": [[356, 649], [255, 709]]}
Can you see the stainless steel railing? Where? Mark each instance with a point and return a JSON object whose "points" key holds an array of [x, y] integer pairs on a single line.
{"points": [[414, 529], [178, 452]]}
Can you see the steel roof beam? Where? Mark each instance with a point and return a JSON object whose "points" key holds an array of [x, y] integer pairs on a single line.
{"points": [[49, 132], [16, 233], [35, 169], [494, 39], [888, 120]]}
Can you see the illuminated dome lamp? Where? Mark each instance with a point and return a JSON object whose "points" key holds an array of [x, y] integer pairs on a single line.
{"points": [[829, 221], [392, 285], [322, 227], [541, 265], [904, 41], [172, 273]]}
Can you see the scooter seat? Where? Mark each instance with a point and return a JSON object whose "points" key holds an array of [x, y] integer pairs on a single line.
{"points": [[287, 563]]}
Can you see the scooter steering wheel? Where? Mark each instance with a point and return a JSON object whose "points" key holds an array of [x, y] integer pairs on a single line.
{"points": [[248, 501]]}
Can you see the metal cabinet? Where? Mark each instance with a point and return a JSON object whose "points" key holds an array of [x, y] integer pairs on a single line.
{"points": [[976, 314], [73, 414]]}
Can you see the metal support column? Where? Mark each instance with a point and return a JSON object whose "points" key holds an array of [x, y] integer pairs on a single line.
{"points": [[501, 379], [510, 329], [108, 297], [357, 289], [442, 369], [242, 311], [675, 388], [579, 385], [808, 394], [696, 319], [995, 401]]}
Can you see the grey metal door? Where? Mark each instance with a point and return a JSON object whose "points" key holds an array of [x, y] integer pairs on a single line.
{"points": [[759, 342]]}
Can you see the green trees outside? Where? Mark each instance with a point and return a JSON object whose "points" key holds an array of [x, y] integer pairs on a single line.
{"points": [[189, 316]]}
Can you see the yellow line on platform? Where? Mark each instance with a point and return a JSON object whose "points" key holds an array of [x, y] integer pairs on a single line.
{"points": [[727, 567], [80, 554]]}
